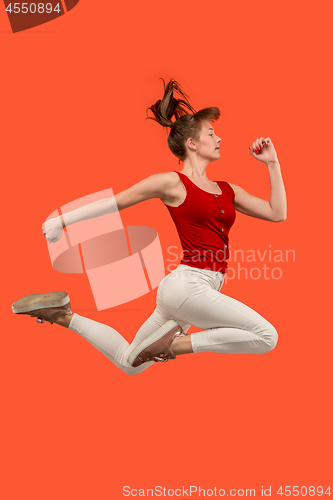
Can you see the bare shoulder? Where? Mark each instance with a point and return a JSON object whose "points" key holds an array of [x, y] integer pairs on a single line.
{"points": [[169, 178], [169, 183], [234, 187], [159, 184], [237, 190], [165, 185]]}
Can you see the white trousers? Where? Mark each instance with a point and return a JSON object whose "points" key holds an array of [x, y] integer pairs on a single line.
{"points": [[191, 297]]}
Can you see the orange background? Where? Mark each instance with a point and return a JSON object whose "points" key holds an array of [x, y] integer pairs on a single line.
{"points": [[73, 99]]}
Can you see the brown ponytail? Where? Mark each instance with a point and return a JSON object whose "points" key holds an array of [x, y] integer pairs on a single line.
{"points": [[187, 122]]}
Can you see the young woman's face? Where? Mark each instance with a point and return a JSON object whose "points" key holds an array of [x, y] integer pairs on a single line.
{"points": [[208, 145]]}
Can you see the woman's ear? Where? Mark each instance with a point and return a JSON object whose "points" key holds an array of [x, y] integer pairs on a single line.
{"points": [[191, 144]]}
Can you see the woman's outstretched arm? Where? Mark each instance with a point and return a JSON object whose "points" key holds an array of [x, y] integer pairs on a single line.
{"points": [[153, 186], [275, 209]]}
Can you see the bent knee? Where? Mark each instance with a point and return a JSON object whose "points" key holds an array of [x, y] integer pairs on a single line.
{"points": [[130, 370], [271, 338]]}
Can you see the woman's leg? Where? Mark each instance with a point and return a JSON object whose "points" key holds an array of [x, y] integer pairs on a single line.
{"points": [[55, 308], [192, 296], [113, 345], [231, 327]]}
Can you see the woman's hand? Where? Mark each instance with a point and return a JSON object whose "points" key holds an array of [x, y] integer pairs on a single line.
{"points": [[263, 150], [52, 229]]}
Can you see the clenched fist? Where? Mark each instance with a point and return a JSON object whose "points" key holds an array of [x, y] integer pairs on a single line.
{"points": [[263, 150], [52, 229]]}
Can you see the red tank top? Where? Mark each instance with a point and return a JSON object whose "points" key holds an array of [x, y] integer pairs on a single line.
{"points": [[203, 222]]}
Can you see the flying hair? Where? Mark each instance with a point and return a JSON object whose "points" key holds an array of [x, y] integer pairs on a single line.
{"points": [[178, 115]]}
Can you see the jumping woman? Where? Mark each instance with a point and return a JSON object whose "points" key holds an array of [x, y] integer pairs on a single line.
{"points": [[203, 212]]}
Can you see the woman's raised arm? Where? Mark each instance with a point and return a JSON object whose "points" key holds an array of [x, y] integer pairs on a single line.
{"points": [[275, 209]]}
